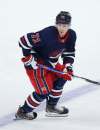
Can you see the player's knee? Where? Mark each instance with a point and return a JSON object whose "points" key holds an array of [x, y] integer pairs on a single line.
{"points": [[39, 97], [59, 83]]}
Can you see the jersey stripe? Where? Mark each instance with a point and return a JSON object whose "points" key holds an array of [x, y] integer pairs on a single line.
{"points": [[53, 57], [27, 41], [70, 57], [22, 45], [65, 53]]}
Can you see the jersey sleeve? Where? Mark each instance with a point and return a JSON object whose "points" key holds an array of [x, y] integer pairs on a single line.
{"points": [[69, 53], [27, 44]]}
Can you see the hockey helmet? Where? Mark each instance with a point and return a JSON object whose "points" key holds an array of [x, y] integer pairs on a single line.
{"points": [[63, 17]]}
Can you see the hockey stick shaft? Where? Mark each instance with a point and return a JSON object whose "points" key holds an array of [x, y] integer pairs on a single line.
{"points": [[86, 79], [51, 69], [60, 72]]}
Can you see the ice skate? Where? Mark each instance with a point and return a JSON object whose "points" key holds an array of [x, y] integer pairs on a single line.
{"points": [[54, 111], [21, 114]]}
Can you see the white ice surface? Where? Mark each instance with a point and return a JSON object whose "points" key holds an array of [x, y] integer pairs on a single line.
{"points": [[17, 17]]}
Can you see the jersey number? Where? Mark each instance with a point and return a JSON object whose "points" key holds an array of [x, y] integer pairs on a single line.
{"points": [[36, 38]]}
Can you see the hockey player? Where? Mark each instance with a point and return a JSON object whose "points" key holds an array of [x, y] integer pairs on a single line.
{"points": [[45, 47]]}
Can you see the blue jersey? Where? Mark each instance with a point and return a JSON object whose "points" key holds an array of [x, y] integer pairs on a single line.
{"points": [[47, 45]]}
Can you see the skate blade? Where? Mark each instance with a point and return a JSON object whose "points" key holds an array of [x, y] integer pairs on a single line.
{"points": [[17, 118], [55, 115], [25, 118]]}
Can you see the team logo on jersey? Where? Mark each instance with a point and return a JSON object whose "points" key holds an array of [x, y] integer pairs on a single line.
{"points": [[36, 38]]}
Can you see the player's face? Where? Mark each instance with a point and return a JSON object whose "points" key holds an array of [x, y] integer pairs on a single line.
{"points": [[62, 29]]}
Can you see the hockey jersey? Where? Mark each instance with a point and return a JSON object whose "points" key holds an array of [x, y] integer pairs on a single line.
{"points": [[47, 45]]}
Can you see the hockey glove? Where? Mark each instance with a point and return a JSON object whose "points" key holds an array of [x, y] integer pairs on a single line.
{"points": [[29, 61], [69, 68], [65, 76]]}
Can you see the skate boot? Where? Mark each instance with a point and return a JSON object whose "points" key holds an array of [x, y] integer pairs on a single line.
{"points": [[54, 111], [21, 114]]}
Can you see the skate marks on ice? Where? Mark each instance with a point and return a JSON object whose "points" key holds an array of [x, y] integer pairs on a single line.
{"points": [[68, 96]]}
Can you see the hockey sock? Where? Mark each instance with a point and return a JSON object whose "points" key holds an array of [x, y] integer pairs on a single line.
{"points": [[33, 101], [56, 92]]}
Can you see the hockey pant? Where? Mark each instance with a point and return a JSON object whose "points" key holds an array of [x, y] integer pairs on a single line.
{"points": [[47, 86]]}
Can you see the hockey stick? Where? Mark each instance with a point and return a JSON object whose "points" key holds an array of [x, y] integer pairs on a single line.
{"points": [[88, 80], [60, 72]]}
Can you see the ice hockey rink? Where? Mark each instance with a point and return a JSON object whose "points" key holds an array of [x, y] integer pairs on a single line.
{"points": [[18, 17]]}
